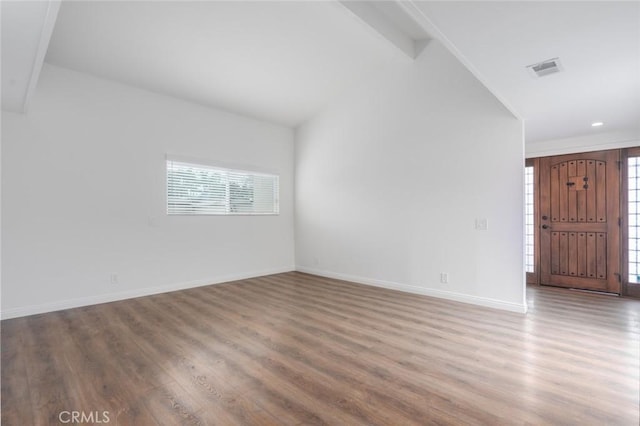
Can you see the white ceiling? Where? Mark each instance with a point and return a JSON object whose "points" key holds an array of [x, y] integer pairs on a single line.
{"points": [[598, 44], [277, 61], [284, 61]]}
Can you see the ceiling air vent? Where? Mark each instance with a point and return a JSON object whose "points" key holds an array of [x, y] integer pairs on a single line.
{"points": [[543, 68]]}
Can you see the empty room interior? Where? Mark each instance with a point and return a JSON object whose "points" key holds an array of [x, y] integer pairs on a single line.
{"points": [[394, 212]]}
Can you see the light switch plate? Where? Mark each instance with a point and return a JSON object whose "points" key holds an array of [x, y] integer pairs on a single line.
{"points": [[482, 224]]}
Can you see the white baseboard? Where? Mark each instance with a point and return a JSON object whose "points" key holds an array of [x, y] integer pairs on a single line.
{"points": [[442, 294], [130, 294]]}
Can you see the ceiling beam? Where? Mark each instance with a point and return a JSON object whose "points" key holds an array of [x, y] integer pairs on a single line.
{"points": [[45, 36], [26, 31], [391, 22], [410, 7]]}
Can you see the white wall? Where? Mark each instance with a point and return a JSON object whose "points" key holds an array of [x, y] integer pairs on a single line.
{"points": [[83, 181], [597, 141], [390, 180]]}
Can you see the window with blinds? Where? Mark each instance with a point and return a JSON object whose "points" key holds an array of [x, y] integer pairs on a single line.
{"points": [[196, 189]]}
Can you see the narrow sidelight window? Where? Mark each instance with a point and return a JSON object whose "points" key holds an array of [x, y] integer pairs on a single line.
{"points": [[633, 184], [529, 224]]}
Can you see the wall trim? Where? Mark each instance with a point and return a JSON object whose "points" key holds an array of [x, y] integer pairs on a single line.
{"points": [[573, 146], [148, 291], [431, 292], [131, 294]]}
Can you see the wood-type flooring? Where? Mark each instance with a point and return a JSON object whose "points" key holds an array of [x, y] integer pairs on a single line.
{"points": [[297, 349]]}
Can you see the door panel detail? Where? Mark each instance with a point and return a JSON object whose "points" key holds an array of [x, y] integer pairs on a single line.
{"points": [[578, 191]]}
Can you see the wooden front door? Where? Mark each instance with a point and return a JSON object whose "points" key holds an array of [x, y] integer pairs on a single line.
{"points": [[579, 221]]}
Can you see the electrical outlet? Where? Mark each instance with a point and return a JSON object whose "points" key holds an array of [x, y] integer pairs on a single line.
{"points": [[114, 278], [444, 277]]}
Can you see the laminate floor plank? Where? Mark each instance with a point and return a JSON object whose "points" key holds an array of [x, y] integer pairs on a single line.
{"points": [[488, 361], [344, 368], [14, 380], [297, 349], [219, 345], [48, 374], [268, 366]]}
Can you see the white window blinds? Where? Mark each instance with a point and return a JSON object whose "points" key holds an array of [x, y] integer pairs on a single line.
{"points": [[196, 189]]}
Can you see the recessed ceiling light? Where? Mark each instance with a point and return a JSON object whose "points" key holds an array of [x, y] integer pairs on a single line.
{"points": [[597, 124]]}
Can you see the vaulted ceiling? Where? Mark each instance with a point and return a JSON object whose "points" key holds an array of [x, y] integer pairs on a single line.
{"points": [[278, 61], [285, 61]]}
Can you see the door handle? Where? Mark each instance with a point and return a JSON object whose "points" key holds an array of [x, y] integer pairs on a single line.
{"points": [[545, 226], [545, 217]]}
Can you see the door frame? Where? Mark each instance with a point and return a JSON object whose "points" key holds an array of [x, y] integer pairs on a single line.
{"points": [[611, 282], [626, 288]]}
